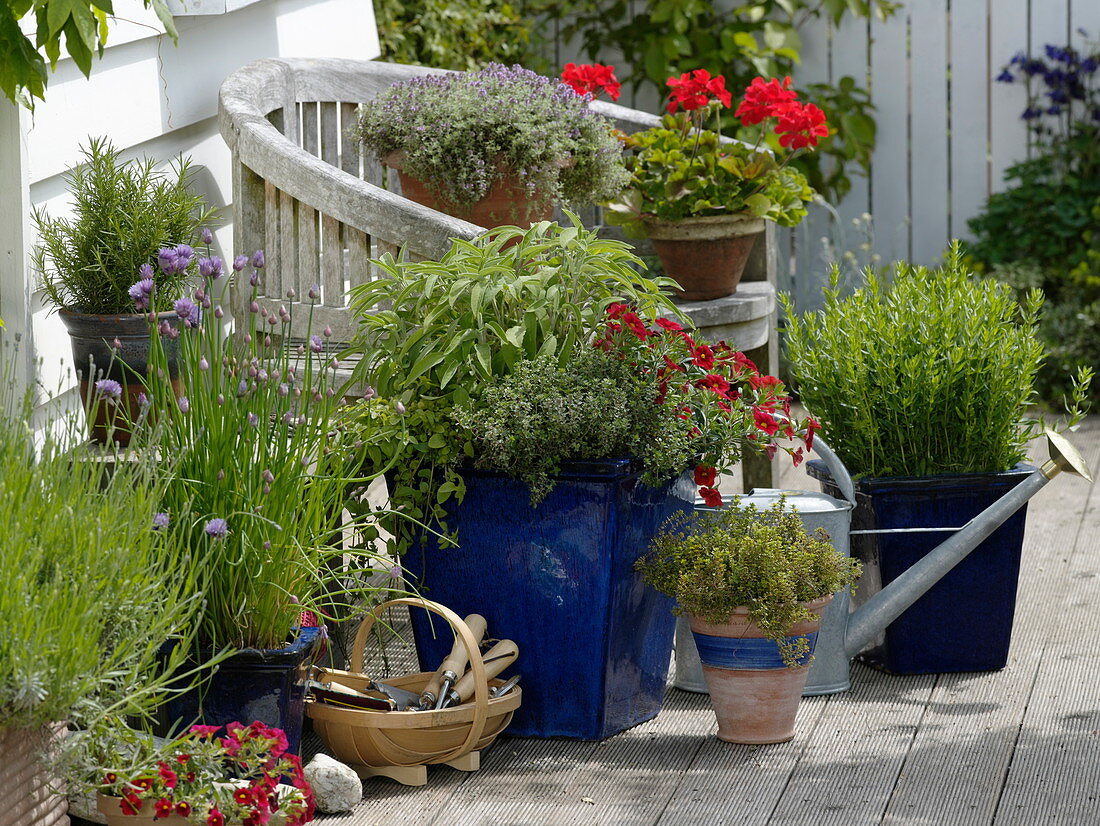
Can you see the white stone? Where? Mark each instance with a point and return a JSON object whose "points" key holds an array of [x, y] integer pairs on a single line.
{"points": [[336, 787]]}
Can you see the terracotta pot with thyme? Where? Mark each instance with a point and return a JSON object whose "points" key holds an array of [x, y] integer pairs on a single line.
{"points": [[702, 199]]}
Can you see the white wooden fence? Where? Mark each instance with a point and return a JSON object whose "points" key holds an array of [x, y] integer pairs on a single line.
{"points": [[946, 129]]}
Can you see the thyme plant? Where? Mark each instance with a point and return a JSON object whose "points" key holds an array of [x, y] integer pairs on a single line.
{"points": [[928, 374], [123, 214], [738, 557]]}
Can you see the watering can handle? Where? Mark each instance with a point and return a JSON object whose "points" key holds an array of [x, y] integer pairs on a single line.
{"points": [[836, 467]]}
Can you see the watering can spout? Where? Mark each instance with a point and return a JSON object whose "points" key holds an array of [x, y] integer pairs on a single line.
{"points": [[887, 605]]}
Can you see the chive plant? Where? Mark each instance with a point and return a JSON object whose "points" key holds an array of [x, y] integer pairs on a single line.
{"points": [[929, 374], [259, 473]]}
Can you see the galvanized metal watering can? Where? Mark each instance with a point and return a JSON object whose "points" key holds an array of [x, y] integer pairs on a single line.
{"points": [[843, 632]]}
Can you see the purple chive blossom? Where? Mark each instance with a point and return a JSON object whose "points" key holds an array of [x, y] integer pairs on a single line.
{"points": [[217, 528], [184, 404], [283, 390], [242, 388], [145, 272], [166, 260], [206, 235], [160, 520], [184, 254], [188, 311], [254, 279], [116, 344], [291, 294], [268, 476], [219, 312], [219, 475], [109, 389], [315, 344], [315, 292], [395, 571], [253, 420], [212, 267], [258, 259], [400, 408], [204, 365], [140, 292], [369, 393], [143, 401], [240, 262], [168, 331], [327, 332]]}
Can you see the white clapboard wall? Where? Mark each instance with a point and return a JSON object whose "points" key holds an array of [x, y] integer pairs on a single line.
{"points": [[946, 129], [151, 98]]}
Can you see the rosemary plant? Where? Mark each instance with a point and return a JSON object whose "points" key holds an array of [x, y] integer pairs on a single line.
{"points": [[123, 213]]}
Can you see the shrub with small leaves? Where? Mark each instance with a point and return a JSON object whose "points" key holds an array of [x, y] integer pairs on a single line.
{"points": [[930, 374], [714, 563]]}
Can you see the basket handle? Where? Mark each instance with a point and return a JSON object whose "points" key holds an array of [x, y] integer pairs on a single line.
{"points": [[462, 631]]}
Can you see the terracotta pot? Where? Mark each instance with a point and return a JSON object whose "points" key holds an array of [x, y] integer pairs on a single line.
{"points": [[706, 256], [92, 338], [754, 694], [110, 809], [28, 792], [506, 203]]}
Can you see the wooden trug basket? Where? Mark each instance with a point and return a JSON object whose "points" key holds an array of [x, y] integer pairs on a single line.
{"points": [[399, 744]]}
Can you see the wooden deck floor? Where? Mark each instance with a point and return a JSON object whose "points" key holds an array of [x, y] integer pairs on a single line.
{"points": [[1019, 746]]}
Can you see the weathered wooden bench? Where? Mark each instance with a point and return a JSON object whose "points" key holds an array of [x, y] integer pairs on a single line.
{"points": [[304, 193]]}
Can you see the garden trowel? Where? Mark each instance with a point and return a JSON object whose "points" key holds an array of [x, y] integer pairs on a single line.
{"points": [[450, 669]]}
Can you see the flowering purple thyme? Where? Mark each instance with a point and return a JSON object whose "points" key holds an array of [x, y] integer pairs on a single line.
{"points": [[217, 528], [109, 389]]}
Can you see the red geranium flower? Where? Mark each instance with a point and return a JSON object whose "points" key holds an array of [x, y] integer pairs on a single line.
{"points": [[705, 476], [694, 90], [765, 99], [592, 78], [711, 496], [801, 126]]}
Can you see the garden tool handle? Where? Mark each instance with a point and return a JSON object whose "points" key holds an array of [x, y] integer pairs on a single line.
{"points": [[497, 658], [459, 656]]}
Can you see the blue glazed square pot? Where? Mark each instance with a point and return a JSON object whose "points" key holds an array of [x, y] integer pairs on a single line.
{"points": [[251, 685], [964, 621], [594, 640]]}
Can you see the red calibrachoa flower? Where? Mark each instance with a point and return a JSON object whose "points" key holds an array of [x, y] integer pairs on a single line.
{"points": [[232, 779], [717, 395], [591, 79], [696, 90]]}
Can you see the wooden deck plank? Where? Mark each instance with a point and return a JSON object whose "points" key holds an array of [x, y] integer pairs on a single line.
{"points": [[1055, 769], [732, 784], [626, 779], [970, 729], [848, 769]]}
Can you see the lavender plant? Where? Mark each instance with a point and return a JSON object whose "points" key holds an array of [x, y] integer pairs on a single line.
{"points": [[457, 131], [259, 471]]}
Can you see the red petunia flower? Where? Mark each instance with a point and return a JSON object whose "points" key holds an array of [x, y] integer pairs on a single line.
{"points": [[801, 126], [673, 365], [182, 758], [162, 808], [694, 90], [705, 476], [765, 99], [797, 457], [591, 79], [205, 731], [242, 796], [110, 778], [744, 361], [183, 808], [711, 496], [130, 804], [669, 324], [215, 818], [636, 326], [615, 309]]}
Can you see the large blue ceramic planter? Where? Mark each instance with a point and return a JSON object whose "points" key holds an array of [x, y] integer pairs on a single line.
{"points": [[964, 621], [559, 579], [268, 686]]}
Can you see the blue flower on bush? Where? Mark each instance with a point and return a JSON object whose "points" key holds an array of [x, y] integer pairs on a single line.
{"points": [[1006, 76]]}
